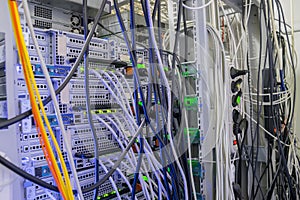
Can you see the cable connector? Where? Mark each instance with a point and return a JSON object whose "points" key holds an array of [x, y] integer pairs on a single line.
{"points": [[236, 85], [236, 72]]}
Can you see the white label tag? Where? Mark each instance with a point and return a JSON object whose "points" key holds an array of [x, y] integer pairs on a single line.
{"points": [[62, 45]]}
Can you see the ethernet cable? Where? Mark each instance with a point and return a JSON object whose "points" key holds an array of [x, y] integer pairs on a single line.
{"points": [[29, 78], [113, 183], [54, 101], [128, 88], [113, 94], [117, 91], [118, 162], [131, 160], [122, 90], [44, 184], [155, 96], [164, 78], [147, 152], [122, 175], [120, 142]]}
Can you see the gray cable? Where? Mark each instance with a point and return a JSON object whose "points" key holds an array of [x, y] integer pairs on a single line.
{"points": [[118, 162], [88, 100], [54, 100]]}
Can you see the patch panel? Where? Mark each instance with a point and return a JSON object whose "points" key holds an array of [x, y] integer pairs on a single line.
{"points": [[41, 85], [74, 53], [33, 159], [139, 196], [77, 86], [92, 65], [43, 39], [76, 40], [122, 50], [82, 141], [98, 101], [67, 45], [30, 137]]}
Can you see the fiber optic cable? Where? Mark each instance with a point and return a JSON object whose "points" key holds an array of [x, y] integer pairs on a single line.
{"points": [[54, 100], [40, 126], [68, 77]]}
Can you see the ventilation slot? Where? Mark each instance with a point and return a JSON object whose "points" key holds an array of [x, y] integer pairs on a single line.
{"points": [[42, 12]]}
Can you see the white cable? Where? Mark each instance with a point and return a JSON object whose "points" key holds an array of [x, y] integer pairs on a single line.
{"points": [[113, 183], [128, 88], [265, 130], [129, 117], [123, 176], [197, 8], [148, 152], [121, 145], [165, 80], [54, 100], [118, 91], [115, 136]]}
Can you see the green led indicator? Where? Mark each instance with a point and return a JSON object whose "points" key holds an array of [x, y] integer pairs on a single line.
{"points": [[238, 100], [166, 68], [140, 103], [81, 69], [145, 178], [98, 198], [105, 195], [141, 66]]}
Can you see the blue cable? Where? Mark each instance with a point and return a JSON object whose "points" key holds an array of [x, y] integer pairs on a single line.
{"points": [[136, 76], [138, 118], [172, 168], [133, 60], [156, 101], [282, 86], [138, 166]]}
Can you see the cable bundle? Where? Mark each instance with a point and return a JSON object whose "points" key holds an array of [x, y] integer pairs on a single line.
{"points": [[63, 183]]}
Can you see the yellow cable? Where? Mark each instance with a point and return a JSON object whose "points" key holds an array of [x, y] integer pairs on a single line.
{"points": [[30, 79], [45, 144]]}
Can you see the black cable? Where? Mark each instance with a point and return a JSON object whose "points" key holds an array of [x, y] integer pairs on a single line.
{"points": [[164, 51], [25, 114], [26, 175], [111, 33]]}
